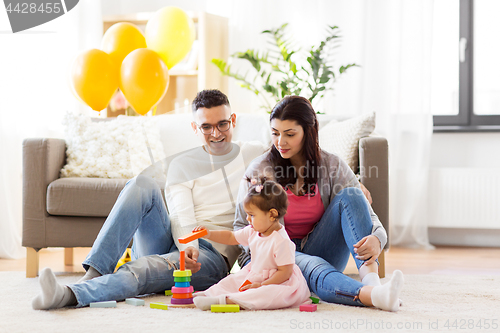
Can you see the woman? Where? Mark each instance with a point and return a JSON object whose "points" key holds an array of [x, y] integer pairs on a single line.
{"points": [[328, 216]]}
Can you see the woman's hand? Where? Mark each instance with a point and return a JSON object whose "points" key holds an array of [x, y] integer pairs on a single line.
{"points": [[191, 258], [200, 227], [368, 248], [366, 193], [251, 286]]}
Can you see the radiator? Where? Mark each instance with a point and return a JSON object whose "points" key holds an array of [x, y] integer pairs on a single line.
{"points": [[464, 198]]}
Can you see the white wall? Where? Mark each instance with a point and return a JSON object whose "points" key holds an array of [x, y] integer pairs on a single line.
{"points": [[465, 152], [307, 24]]}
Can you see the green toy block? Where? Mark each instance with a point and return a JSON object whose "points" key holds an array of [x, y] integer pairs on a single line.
{"points": [[168, 292], [108, 304], [159, 305], [225, 308], [182, 279], [314, 300], [134, 301]]}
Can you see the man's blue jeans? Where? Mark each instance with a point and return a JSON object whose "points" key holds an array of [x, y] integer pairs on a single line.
{"points": [[326, 251], [140, 213]]}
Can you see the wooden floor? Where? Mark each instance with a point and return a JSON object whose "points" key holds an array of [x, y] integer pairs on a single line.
{"points": [[442, 260]]}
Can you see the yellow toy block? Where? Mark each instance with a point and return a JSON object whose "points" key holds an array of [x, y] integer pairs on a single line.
{"points": [[225, 308], [178, 273], [168, 292], [161, 306], [124, 259]]}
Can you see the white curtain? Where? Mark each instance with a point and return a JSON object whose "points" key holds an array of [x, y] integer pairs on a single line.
{"points": [[397, 84], [34, 95], [391, 40]]}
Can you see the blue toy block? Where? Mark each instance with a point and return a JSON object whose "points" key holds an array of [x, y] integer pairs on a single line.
{"points": [[108, 304], [134, 301], [182, 284]]}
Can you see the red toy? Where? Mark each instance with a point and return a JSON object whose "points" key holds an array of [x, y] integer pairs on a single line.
{"points": [[191, 237], [244, 284], [308, 307]]}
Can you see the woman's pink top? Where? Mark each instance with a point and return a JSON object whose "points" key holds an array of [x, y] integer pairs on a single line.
{"points": [[303, 213]]}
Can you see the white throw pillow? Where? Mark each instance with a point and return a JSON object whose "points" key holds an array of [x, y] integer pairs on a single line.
{"points": [[342, 138], [109, 148]]}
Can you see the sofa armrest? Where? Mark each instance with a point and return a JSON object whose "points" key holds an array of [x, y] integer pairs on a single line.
{"points": [[374, 171], [42, 162]]}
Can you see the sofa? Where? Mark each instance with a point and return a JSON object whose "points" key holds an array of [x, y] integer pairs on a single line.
{"points": [[68, 212]]}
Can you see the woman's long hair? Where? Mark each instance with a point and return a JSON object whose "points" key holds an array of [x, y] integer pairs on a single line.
{"points": [[300, 110]]}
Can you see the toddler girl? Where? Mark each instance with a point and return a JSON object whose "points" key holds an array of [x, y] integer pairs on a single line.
{"points": [[274, 280]]}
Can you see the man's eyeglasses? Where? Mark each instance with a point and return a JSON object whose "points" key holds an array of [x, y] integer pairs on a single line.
{"points": [[222, 126]]}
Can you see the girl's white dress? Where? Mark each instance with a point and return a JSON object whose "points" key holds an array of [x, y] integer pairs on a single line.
{"points": [[267, 254]]}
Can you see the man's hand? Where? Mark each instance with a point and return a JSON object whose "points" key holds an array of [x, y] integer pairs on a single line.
{"points": [[366, 193], [191, 256], [251, 286], [368, 249]]}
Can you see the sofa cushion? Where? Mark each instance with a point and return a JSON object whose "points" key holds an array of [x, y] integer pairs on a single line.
{"points": [[83, 196], [115, 148], [342, 138]]}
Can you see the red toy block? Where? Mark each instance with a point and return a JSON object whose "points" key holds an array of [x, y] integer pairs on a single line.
{"points": [[308, 307], [185, 290], [192, 236], [244, 284], [182, 296], [182, 261]]}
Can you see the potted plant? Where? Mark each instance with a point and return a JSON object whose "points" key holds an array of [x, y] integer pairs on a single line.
{"points": [[283, 70]]}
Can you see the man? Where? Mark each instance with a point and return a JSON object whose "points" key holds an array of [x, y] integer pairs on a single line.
{"points": [[201, 188]]}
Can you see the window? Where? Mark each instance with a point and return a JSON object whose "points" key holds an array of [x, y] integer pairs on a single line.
{"points": [[466, 97]]}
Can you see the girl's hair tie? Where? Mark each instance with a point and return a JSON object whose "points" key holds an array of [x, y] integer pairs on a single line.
{"points": [[258, 188]]}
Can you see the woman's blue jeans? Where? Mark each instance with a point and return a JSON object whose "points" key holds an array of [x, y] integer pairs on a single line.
{"points": [[140, 213], [325, 253]]}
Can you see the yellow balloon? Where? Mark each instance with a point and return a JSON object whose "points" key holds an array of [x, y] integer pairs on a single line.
{"points": [[121, 39], [143, 79], [170, 32], [95, 78]]}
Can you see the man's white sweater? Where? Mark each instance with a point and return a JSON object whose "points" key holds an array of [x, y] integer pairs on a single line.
{"points": [[202, 189]]}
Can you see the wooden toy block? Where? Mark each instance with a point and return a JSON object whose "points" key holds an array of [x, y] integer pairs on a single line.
{"points": [[159, 305], [182, 296], [181, 300], [179, 273], [124, 259], [182, 261], [168, 292], [182, 279], [182, 284], [174, 306], [225, 308], [314, 300], [134, 301], [192, 236], [308, 307], [177, 290], [108, 304], [244, 284]]}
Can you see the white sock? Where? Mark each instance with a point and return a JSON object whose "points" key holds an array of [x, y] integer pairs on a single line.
{"points": [[386, 297], [53, 295], [91, 273], [204, 302], [371, 279]]}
